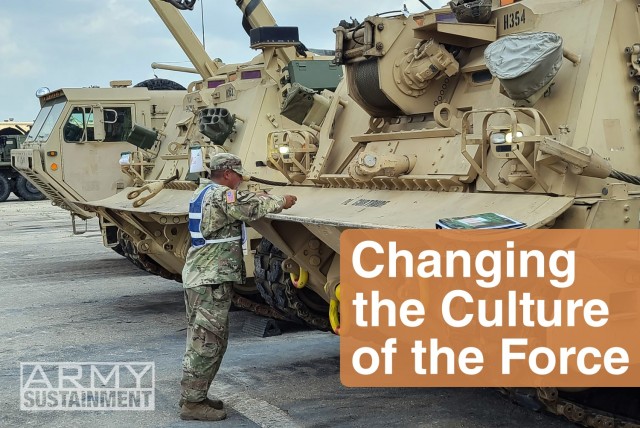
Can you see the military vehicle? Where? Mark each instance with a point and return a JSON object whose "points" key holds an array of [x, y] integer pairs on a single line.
{"points": [[66, 153], [77, 180], [83, 127], [530, 111], [12, 135], [184, 138]]}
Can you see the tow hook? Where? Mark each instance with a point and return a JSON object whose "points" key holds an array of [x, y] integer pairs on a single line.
{"points": [[334, 312], [299, 281]]}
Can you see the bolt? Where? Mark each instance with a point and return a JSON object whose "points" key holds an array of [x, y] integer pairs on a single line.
{"points": [[144, 247], [314, 244], [379, 46], [627, 207], [369, 160], [380, 26], [605, 191], [627, 219], [314, 261]]}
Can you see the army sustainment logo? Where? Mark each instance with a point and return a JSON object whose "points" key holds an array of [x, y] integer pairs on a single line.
{"points": [[87, 386]]}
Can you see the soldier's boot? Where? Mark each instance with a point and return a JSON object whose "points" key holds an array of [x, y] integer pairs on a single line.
{"points": [[216, 403], [200, 412]]}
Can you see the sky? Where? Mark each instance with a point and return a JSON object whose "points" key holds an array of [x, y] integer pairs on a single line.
{"points": [[81, 43]]}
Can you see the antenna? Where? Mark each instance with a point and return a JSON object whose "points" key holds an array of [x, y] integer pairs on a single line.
{"points": [[202, 20], [425, 4]]}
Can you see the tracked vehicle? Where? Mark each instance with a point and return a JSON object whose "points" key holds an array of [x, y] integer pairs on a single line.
{"points": [[62, 157], [532, 114], [76, 129]]}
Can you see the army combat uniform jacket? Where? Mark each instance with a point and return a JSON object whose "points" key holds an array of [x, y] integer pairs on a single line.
{"points": [[223, 212]]}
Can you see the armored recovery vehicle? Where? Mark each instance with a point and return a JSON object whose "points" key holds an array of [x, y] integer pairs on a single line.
{"points": [[68, 186], [12, 135], [76, 129], [531, 113], [250, 97]]}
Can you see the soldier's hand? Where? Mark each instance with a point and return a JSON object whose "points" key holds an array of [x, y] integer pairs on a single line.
{"points": [[289, 201]]}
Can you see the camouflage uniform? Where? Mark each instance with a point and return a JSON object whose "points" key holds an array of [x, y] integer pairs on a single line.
{"points": [[210, 272]]}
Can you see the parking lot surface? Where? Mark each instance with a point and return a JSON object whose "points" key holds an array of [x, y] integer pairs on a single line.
{"points": [[66, 298]]}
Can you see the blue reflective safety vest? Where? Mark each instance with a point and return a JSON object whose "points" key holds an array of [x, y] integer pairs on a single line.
{"points": [[195, 222]]}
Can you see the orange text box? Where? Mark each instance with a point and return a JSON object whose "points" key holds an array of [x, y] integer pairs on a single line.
{"points": [[556, 308]]}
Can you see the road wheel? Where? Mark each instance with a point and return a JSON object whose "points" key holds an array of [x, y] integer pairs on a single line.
{"points": [[275, 286], [27, 191], [5, 188]]}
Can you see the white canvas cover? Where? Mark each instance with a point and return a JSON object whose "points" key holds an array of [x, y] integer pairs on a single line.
{"points": [[524, 62]]}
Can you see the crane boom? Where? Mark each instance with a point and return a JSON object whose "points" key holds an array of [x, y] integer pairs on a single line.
{"points": [[185, 37]]}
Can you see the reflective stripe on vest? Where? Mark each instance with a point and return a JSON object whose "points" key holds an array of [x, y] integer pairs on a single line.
{"points": [[195, 221]]}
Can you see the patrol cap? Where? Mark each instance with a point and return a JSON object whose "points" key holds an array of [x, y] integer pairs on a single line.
{"points": [[222, 161]]}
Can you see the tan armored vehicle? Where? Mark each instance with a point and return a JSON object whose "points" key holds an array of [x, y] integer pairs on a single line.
{"points": [[529, 111], [251, 97], [77, 128]]}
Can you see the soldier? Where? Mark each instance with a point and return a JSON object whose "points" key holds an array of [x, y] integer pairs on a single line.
{"points": [[214, 263]]}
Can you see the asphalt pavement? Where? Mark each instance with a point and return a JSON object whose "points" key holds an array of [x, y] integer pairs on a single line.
{"points": [[66, 298]]}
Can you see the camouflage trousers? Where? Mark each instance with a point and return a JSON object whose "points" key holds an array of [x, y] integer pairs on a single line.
{"points": [[207, 337]]}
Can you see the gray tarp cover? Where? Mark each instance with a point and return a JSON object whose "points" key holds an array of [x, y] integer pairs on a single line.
{"points": [[524, 62]]}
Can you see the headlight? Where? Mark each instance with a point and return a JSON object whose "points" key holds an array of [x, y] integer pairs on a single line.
{"points": [[42, 91], [283, 150], [509, 136], [498, 138]]}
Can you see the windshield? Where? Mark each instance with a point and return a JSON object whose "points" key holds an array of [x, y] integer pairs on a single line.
{"points": [[46, 119]]}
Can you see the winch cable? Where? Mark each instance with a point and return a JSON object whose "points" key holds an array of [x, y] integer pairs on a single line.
{"points": [[268, 182], [182, 4], [627, 178]]}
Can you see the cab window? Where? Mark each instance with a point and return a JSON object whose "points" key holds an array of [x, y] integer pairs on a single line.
{"points": [[117, 123], [79, 125], [46, 119]]}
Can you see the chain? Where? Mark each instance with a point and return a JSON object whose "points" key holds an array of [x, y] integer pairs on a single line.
{"points": [[257, 308]]}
